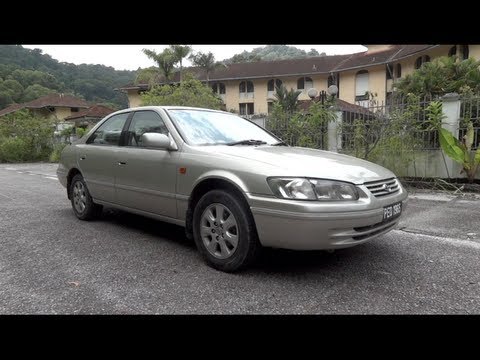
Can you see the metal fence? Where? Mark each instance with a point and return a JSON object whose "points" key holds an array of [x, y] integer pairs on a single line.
{"points": [[470, 110], [372, 121], [299, 133]]}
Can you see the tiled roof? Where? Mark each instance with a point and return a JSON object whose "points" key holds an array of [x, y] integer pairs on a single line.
{"points": [[393, 53], [61, 100], [97, 111], [305, 66], [12, 108], [341, 106]]}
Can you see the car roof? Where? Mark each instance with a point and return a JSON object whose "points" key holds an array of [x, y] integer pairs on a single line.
{"points": [[168, 108]]}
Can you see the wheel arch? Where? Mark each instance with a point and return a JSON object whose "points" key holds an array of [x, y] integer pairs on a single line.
{"points": [[205, 185]]}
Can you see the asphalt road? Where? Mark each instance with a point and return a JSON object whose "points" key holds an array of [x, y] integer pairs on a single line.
{"points": [[52, 263]]}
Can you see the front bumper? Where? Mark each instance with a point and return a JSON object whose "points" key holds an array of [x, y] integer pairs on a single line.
{"points": [[62, 176], [301, 225]]}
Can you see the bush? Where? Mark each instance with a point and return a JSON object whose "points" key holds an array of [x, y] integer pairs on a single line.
{"points": [[80, 132], [25, 137], [13, 150], [57, 150]]}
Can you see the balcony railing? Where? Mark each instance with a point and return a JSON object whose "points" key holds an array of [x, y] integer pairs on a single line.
{"points": [[246, 95]]}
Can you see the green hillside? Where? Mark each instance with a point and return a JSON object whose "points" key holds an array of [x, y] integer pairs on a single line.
{"points": [[272, 52], [28, 74]]}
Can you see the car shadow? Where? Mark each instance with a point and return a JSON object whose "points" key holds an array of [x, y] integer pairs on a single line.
{"points": [[270, 262], [156, 228], [293, 261]]}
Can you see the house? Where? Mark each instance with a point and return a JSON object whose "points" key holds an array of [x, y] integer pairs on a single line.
{"points": [[58, 106], [90, 116], [248, 88]]}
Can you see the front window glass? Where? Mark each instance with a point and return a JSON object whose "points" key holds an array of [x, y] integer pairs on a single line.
{"points": [[109, 132], [144, 122], [200, 127]]}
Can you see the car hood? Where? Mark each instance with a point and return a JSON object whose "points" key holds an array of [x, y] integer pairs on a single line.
{"points": [[303, 162]]}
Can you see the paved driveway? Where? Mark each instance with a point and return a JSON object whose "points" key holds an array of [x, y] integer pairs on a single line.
{"points": [[52, 263]]}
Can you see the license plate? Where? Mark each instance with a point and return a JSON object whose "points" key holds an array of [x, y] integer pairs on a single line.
{"points": [[392, 211]]}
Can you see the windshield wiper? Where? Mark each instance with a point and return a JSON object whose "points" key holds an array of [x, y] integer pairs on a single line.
{"points": [[280, 143], [247, 142]]}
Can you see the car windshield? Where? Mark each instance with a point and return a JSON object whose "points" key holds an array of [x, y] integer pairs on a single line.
{"points": [[203, 127]]}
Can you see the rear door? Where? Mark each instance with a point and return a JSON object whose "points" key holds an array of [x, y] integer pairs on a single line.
{"points": [[97, 158], [145, 177]]}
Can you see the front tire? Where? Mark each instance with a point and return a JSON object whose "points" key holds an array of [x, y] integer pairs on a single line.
{"points": [[82, 203], [224, 231]]}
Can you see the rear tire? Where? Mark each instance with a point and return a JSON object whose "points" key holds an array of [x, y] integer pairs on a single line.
{"points": [[224, 231], [82, 203]]}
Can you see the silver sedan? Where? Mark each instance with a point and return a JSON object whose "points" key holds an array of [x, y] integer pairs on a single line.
{"points": [[234, 186]]}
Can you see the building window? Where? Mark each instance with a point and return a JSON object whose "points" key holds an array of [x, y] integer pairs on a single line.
{"points": [[273, 84], [361, 85], [332, 80], [452, 51], [389, 71], [218, 88], [74, 109], [51, 108], [421, 60], [304, 83], [465, 52], [246, 89], [270, 107], [246, 108], [398, 71]]}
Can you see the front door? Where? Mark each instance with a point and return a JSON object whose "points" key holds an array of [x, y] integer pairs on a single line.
{"points": [[97, 158], [145, 177]]}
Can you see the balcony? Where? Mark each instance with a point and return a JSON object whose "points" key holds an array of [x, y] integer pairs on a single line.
{"points": [[246, 95]]}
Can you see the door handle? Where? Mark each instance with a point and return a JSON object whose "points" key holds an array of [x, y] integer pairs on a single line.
{"points": [[122, 163], [83, 157]]}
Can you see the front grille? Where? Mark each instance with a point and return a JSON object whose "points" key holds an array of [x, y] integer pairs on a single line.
{"points": [[383, 187]]}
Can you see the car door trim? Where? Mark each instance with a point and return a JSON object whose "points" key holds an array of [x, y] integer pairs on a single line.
{"points": [[143, 213], [147, 191]]}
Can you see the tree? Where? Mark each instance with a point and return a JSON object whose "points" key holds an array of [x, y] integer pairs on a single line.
{"points": [[13, 87], [440, 76], [180, 52], [165, 60], [31, 67], [288, 100], [35, 91], [271, 53], [190, 92], [206, 61], [150, 75], [5, 99]]}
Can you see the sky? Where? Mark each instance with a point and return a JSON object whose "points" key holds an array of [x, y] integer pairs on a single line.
{"points": [[131, 57]]}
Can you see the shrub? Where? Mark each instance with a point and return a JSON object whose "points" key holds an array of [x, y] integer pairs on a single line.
{"points": [[55, 154], [26, 136], [13, 150]]}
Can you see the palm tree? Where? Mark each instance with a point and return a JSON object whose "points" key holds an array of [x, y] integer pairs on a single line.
{"points": [[165, 61], [180, 52], [288, 100], [206, 62]]}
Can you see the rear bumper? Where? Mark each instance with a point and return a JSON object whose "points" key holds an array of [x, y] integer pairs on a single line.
{"points": [[321, 229]]}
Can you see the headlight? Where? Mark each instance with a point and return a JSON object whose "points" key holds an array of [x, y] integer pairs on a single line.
{"points": [[312, 189]]}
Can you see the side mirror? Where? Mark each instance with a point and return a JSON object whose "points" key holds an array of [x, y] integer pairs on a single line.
{"points": [[156, 140]]}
